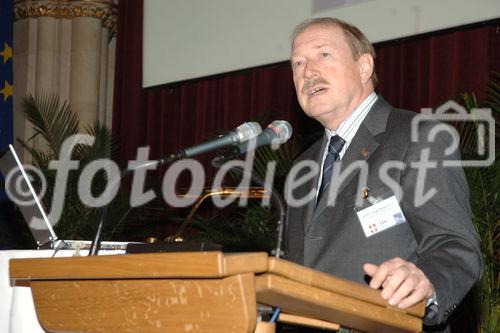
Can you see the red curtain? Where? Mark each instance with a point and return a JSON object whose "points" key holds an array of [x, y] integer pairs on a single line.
{"points": [[425, 71], [172, 117], [421, 71]]}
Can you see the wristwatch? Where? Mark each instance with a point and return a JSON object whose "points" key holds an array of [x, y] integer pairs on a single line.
{"points": [[432, 300], [432, 308]]}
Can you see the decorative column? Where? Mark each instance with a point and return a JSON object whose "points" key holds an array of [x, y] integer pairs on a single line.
{"points": [[64, 47], [85, 68]]}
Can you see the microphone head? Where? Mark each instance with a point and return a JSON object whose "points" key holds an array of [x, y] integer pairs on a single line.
{"points": [[283, 130], [248, 130]]}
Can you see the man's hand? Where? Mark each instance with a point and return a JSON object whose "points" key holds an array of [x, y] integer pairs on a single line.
{"points": [[403, 284]]}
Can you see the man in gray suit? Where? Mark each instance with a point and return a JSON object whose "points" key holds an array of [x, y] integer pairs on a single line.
{"points": [[368, 202]]}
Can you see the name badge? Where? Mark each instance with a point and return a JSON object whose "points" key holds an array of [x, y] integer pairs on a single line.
{"points": [[380, 216]]}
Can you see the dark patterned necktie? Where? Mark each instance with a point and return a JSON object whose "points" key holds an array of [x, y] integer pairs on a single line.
{"points": [[334, 148]]}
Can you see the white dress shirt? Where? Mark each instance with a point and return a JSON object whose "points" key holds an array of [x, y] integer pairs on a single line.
{"points": [[347, 129]]}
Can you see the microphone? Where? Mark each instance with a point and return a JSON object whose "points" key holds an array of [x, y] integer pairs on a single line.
{"points": [[242, 133], [277, 132]]}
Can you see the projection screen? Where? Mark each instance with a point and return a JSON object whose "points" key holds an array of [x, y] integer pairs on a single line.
{"points": [[187, 39]]}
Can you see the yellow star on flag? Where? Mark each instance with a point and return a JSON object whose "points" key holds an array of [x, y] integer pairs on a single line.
{"points": [[6, 53], [7, 90]]}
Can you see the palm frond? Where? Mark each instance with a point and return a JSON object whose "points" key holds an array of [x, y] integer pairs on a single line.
{"points": [[41, 159], [53, 121], [104, 145], [493, 90]]}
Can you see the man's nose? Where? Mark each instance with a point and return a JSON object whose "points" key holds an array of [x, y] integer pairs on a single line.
{"points": [[310, 71]]}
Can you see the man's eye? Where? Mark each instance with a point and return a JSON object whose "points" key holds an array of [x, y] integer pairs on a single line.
{"points": [[325, 54], [298, 63]]}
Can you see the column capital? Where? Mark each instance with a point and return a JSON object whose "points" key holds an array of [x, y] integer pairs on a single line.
{"points": [[104, 10]]}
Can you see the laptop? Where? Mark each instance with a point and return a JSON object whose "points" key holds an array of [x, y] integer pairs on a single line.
{"points": [[19, 185]]}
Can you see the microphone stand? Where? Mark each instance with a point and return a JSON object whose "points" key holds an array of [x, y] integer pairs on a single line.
{"points": [[96, 242], [279, 203]]}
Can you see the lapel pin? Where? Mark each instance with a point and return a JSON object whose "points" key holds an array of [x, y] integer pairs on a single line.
{"points": [[366, 192], [364, 152]]}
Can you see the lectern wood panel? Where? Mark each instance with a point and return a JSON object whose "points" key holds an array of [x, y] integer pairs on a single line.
{"points": [[149, 306], [294, 297], [335, 284], [149, 265]]}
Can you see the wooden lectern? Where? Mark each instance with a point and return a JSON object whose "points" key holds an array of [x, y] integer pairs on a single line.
{"points": [[197, 292]]}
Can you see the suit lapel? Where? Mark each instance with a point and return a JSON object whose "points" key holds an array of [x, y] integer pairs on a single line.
{"points": [[361, 149]]}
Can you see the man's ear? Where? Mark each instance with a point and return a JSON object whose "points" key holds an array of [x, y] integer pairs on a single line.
{"points": [[365, 64]]}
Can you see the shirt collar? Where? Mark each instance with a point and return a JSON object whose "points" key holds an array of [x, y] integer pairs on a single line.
{"points": [[349, 126]]}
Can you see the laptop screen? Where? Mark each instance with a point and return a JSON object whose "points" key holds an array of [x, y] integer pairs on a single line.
{"points": [[20, 190]]}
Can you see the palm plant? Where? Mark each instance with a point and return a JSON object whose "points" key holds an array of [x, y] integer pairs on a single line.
{"points": [[53, 123], [484, 183]]}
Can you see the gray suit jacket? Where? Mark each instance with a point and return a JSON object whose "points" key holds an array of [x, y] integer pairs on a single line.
{"points": [[438, 235]]}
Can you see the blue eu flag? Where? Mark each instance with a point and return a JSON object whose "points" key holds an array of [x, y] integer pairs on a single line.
{"points": [[6, 82]]}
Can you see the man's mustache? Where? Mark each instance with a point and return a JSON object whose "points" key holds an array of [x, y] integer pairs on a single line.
{"points": [[312, 83]]}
